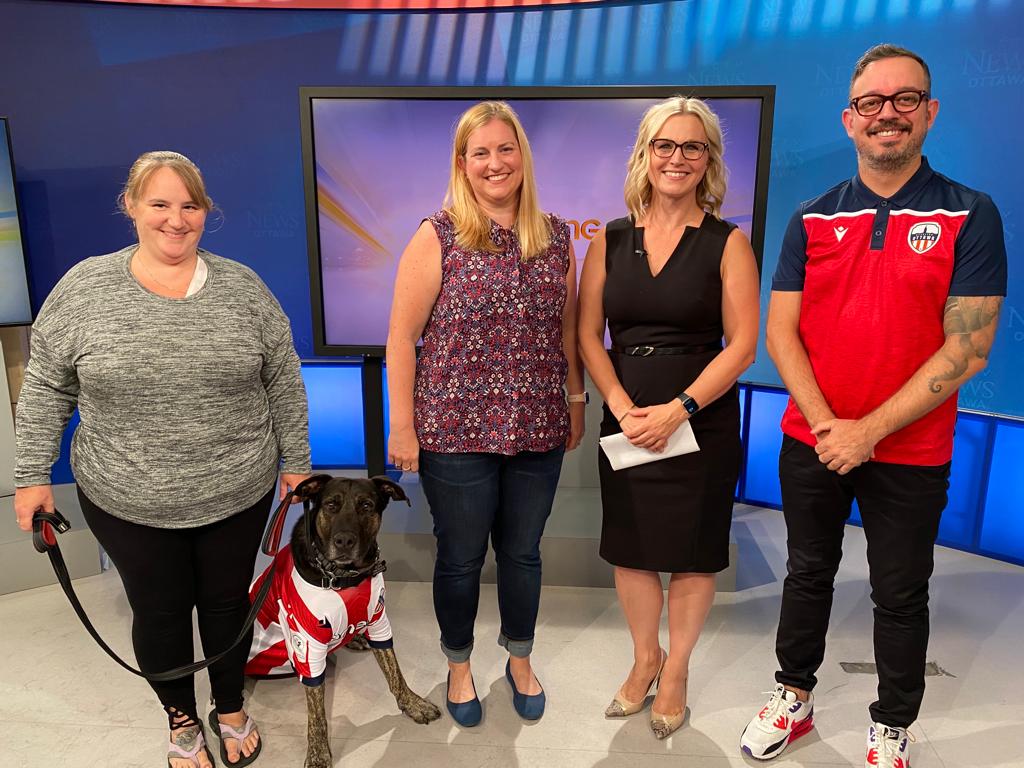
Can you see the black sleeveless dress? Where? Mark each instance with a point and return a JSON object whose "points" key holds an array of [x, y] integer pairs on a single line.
{"points": [[671, 515]]}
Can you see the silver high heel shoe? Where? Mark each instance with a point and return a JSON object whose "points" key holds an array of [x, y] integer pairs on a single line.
{"points": [[623, 707], [664, 726]]}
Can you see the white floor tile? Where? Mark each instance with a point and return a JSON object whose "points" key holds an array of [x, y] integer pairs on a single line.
{"points": [[63, 703]]}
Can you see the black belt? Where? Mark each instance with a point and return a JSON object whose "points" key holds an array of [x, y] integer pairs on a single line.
{"points": [[647, 350]]}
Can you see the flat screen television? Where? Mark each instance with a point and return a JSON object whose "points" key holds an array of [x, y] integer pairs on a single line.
{"points": [[376, 162], [15, 306]]}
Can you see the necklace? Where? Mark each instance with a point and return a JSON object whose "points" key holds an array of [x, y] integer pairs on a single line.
{"points": [[154, 278]]}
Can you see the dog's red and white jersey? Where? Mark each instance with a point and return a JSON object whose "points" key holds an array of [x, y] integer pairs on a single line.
{"points": [[300, 623]]}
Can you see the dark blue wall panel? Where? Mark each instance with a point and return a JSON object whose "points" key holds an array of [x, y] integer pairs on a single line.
{"points": [[62, 469], [1002, 531], [90, 86], [335, 394], [855, 514], [967, 476], [763, 444]]}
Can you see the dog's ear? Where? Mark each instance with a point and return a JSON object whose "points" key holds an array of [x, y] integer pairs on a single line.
{"points": [[310, 487], [388, 487]]}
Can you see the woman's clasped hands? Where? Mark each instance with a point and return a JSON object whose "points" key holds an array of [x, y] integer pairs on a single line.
{"points": [[650, 427]]}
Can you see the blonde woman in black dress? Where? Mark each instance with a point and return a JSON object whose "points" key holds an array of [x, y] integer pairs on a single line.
{"points": [[672, 280]]}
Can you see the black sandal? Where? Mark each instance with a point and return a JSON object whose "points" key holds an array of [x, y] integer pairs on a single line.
{"points": [[224, 731]]}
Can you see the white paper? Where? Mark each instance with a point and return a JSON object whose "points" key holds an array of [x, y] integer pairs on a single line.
{"points": [[621, 453]]}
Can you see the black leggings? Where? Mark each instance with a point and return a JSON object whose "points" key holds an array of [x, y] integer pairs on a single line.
{"points": [[169, 571]]}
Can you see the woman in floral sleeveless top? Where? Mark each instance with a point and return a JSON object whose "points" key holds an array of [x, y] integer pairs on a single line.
{"points": [[489, 283]]}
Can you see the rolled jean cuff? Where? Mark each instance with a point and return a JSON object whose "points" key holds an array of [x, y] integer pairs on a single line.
{"points": [[458, 656], [518, 648]]}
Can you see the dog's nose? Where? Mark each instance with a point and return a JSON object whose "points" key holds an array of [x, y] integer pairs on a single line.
{"points": [[344, 541]]}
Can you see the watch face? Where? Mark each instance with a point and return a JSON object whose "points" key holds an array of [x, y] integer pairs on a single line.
{"points": [[690, 405]]}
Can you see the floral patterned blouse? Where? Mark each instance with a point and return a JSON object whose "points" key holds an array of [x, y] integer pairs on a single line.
{"points": [[491, 372]]}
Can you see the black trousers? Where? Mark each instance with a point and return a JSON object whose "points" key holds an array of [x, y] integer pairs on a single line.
{"points": [[169, 571], [900, 506]]}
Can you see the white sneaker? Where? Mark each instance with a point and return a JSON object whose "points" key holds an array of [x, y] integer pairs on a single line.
{"points": [[782, 720], [888, 747]]}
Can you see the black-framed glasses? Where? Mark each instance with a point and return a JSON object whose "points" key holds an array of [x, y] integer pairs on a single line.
{"points": [[692, 150], [903, 102]]}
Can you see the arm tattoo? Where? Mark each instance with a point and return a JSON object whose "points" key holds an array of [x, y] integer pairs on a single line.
{"points": [[971, 322], [957, 367], [967, 314]]}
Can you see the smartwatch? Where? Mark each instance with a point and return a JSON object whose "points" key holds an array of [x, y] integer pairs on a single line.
{"points": [[581, 398], [689, 404]]}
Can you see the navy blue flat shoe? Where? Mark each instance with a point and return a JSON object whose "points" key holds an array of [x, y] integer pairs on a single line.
{"points": [[467, 713], [528, 707]]}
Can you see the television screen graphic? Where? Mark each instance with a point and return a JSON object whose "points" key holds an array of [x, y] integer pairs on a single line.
{"points": [[380, 165], [15, 307]]}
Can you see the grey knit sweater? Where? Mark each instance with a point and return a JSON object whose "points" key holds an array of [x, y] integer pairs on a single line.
{"points": [[187, 406]]}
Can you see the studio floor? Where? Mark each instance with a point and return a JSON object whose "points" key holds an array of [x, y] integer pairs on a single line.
{"points": [[63, 703]]}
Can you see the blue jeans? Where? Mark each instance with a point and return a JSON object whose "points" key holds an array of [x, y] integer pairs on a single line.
{"points": [[474, 496]]}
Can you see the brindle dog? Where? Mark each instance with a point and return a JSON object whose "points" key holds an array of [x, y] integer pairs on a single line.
{"points": [[346, 515]]}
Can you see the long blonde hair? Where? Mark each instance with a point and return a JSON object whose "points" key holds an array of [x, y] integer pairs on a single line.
{"points": [[711, 190], [472, 225]]}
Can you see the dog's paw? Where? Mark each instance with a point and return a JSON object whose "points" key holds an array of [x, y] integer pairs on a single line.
{"points": [[358, 643], [419, 709], [317, 759]]}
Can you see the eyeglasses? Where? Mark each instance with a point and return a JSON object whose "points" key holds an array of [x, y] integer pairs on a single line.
{"points": [[692, 150], [903, 102]]}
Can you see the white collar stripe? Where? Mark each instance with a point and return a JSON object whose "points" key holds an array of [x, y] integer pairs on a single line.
{"points": [[841, 215], [937, 211]]}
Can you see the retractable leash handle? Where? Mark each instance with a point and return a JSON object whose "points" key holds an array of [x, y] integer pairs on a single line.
{"points": [[43, 525], [45, 541]]}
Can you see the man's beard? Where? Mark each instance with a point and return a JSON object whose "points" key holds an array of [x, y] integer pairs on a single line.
{"points": [[895, 159]]}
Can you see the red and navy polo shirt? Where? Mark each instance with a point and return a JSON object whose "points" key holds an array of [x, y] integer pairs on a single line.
{"points": [[875, 275]]}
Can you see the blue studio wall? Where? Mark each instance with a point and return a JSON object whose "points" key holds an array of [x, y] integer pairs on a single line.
{"points": [[87, 87]]}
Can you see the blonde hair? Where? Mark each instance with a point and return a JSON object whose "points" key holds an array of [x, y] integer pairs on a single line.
{"points": [[472, 225], [149, 163], [711, 190]]}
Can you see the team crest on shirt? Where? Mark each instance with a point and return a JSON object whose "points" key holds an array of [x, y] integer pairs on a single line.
{"points": [[922, 237]]}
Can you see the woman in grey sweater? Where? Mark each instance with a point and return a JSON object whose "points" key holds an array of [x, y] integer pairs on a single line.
{"points": [[182, 367]]}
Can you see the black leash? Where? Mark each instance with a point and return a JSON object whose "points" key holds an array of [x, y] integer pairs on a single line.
{"points": [[45, 541]]}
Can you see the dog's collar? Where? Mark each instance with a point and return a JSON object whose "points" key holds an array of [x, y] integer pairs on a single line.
{"points": [[332, 576]]}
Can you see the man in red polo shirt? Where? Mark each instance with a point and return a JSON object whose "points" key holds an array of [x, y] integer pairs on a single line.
{"points": [[885, 301]]}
